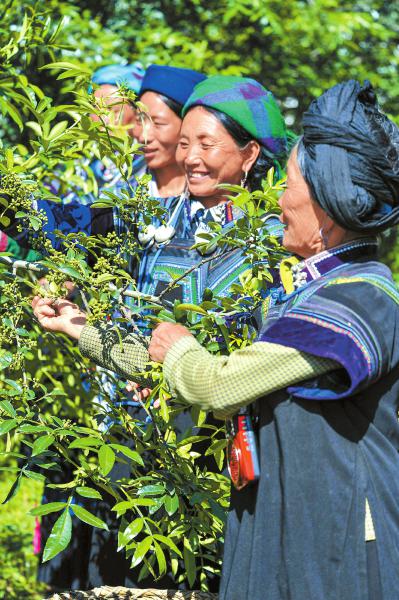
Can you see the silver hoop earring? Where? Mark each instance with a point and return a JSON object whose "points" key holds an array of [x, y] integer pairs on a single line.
{"points": [[243, 182]]}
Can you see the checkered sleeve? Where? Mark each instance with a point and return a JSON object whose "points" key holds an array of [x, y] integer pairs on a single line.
{"points": [[120, 351], [224, 384]]}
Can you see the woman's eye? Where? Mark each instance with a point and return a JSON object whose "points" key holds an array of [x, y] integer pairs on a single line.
{"points": [[206, 146], [183, 145]]}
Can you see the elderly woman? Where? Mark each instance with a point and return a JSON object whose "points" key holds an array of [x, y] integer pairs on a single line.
{"points": [[322, 519]]}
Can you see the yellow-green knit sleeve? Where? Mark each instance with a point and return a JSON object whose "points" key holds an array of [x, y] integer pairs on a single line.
{"points": [[224, 384]]}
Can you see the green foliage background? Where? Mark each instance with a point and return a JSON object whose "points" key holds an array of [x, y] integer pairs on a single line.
{"points": [[18, 563], [295, 48]]}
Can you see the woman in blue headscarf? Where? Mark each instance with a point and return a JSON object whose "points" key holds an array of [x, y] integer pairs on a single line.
{"points": [[121, 113]]}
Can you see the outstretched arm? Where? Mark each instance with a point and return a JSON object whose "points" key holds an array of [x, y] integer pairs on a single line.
{"points": [[224, 384], [122, 352]]}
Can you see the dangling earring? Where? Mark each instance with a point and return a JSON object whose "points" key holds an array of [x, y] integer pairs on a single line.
{"points": [[243, 182], [324, 237]]}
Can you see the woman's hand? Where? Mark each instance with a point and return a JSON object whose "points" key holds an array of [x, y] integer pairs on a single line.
{"points": [[139, 393], [163, 337], [62, 315]]}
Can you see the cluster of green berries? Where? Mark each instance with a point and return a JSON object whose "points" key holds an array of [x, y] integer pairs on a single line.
{"points": [[112, 240], [11, 290], [56, 281], [20, 193], [102, 265], [12, 301], [8, 338], [98, 311]]}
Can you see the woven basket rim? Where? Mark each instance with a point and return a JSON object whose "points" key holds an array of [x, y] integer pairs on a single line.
{"points": [[123, 593]]}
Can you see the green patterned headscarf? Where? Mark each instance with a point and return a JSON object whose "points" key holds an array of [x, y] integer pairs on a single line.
{"points": [[249, 104]]}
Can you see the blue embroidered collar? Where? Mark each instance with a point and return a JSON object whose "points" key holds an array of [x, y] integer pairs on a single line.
{"points": [[320, 264]]}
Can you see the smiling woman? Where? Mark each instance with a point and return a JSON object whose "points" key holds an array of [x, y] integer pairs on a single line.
{"points": [[232, 132], [210, 156], [163, 92], [158, 132]]}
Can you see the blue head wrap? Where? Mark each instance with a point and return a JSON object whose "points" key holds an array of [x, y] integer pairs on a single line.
{"points": [[131, 75], [349, 155], [173, 82]]}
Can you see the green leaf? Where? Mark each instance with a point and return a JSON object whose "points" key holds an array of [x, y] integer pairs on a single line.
{"points": [[167, 542], [151, 490], [60, 536], [181, 309], [189, 563], [46, 509], [14, 488], [15, 385], [171, 504], [67, 65], [41, 444], [89, 442], [8, 408], [135, 456], [25, 428], [121, 507], [159, 553], [5, 221], [87, 517], [142, 549], [143, 502], [35, 127], [105, 276], [35, 222], [57, 130], [15, 115], [70, 271], [8, 425], [216, 446], [34, 475], [133, 529], [106, 457], [88, 492]]}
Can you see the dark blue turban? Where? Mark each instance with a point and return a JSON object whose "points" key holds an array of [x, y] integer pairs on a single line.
{"points": [[173, 82], [349, 155]]}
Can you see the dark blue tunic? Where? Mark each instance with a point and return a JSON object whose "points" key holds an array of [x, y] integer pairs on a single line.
{"points": [[326, 446]]}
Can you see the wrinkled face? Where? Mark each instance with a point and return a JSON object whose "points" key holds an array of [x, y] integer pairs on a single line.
{"points": [[122, 113], [208, 154], [159, 133], [302, 216]]}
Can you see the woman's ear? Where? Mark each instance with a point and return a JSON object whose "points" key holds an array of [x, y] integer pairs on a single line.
{"points": [[331, 233], [250, 153]]}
